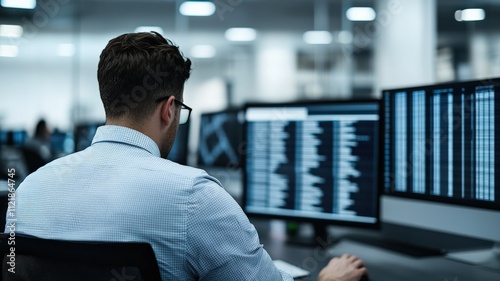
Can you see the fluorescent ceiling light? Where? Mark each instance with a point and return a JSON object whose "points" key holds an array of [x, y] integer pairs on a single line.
{"points": [[470, 15], [9, 51], [317, 37], [13, 31], [345, 37], [149, 29], [361, 14], [65, 50], [19, 4], [197, 8], [240, 34], [203, 51]]}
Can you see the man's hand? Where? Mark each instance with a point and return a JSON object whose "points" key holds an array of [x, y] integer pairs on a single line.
{"points": [[345, 268]]}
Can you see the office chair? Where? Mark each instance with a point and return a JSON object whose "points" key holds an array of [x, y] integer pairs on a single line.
{"points": [[59, 260]]}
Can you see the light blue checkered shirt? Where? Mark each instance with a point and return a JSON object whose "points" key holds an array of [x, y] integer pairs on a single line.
{"points": [[120, 189]]}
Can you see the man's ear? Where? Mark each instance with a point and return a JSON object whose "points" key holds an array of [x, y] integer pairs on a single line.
{"points": [[167, 111]]}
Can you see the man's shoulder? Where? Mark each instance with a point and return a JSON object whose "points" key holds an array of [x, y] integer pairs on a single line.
{"points": [[198, 177], [168, 166]]}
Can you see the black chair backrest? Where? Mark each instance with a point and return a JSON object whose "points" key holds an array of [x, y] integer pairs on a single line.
{"points": [[30, 258]]}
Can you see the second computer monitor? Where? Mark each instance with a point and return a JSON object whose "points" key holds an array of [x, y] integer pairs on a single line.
{"points": [[441, 147], [84, 134], [179, 151], [220, 139], [312, 161]]}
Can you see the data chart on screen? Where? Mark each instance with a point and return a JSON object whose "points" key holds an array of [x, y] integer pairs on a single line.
{"points": [[314, 161], [442, 142]]}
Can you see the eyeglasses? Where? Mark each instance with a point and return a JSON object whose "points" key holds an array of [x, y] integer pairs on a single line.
{"points": [[185, 110]]}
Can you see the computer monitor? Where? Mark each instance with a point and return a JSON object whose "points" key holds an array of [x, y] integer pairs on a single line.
{"points": [[220, 139], [312, 161], [61, 143], [179, 151], [84, 133], [441, 148], [3, 137], [13, 137]]}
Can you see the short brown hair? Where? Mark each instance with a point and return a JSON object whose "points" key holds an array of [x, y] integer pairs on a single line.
{"points": [[137, 68]]}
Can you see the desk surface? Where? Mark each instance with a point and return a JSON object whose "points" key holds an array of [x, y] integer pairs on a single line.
{"points": [[382, 264]]}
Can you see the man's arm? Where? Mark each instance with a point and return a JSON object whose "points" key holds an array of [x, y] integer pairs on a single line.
{"points": [[221, 243]]}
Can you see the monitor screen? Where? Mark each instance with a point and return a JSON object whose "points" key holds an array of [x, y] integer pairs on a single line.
{"points": [[13, 137], [312, 161], [61, 143], [179, 151], [220, 138], [84, 133], [3, 137], [442, 143], [440, 146]]}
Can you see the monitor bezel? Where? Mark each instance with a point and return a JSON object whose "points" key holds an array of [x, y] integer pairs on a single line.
{"points": [[333, 222], [427, 197]]}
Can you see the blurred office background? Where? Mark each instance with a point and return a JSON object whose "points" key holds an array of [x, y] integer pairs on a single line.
{"points": [[289, 50]]}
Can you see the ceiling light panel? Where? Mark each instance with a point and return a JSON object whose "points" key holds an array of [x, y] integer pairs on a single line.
{"points": [[197, 8], [203, 51], [9, 51], [241, 34], [12, 31], [361, 14], [317, 37], [470, 15], [19, 4]]}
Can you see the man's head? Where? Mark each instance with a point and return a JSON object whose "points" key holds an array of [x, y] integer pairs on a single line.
{"points": [[134, 71]]}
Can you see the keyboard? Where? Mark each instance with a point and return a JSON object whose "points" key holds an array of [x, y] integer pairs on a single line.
{"points": [[294, 271]]}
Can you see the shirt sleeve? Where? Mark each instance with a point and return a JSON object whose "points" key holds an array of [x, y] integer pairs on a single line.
{"points": [[221, 242]]}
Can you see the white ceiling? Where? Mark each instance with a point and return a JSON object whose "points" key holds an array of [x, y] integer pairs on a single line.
{"points": [[101, 18], [277, 15]]}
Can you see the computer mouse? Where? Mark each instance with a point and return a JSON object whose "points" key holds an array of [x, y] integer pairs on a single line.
{"points": [[364, 278]]}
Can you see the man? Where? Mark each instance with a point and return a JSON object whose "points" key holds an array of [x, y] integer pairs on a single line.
{"points": [[122, 189]]}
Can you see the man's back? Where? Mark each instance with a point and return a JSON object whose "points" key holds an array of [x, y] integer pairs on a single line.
{"points": [[120, 190]]}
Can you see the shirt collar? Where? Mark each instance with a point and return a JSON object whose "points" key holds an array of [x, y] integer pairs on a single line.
{"points": [[112, 133]]}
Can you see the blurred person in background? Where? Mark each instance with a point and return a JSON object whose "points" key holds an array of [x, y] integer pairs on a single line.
{"points": [[37, 151]]}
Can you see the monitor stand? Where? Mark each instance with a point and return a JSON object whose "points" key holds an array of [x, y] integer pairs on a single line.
{"points": [[489, 258], [299, 234]]}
